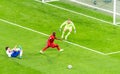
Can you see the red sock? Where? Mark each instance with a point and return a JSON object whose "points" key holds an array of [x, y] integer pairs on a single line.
{"points": [[45, 48], [58, 48]]}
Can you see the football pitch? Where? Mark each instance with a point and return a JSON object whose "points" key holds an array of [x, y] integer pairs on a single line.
{"points": [[94, 49]]}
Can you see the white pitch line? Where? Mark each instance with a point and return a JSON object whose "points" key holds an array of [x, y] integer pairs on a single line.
{"points": [[85, 47], [14, 24], [75, 12], [112, 53], [23, 27]]}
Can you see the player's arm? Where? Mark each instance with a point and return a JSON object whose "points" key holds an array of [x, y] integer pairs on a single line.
{"points": [[74, 27], [62, 25], [57, 38]]}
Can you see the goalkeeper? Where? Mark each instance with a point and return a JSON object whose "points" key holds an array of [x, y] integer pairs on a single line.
{"points": [[68, 25]]}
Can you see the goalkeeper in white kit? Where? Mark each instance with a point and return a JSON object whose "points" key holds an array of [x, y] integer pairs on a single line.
{"points": [[68, 25]]}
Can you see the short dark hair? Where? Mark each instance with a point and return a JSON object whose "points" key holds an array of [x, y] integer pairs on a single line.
{"points": [[54, 33], [6, 48]]}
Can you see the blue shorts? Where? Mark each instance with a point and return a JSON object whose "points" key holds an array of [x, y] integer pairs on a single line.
{"points": [[15, 53]]}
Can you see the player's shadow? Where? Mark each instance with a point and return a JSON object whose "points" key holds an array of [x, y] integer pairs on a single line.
{"points": [[52, 58]]}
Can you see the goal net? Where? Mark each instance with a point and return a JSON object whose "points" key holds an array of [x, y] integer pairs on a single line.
{"points": [[109, 8]]}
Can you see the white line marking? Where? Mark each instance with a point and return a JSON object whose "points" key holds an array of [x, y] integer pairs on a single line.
{"points": [[14, 24], [84, 47], [23, 27], [112, 53], [75, 12]]}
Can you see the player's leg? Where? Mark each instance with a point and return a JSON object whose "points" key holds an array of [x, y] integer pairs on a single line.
{"points": [[56, 46], [21, 52], [14, 53], [20, 47], [70, 30], [17, 53], [63, 33], [44, 49]]}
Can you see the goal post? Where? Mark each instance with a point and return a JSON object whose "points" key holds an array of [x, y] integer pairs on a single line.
{"points": [[114, 12]]}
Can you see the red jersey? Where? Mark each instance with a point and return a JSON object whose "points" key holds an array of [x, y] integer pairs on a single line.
{"points": [[51, 39]]}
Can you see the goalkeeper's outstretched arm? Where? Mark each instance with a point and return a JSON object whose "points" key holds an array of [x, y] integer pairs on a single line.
{"points": [[62, 25], [74, 27]]}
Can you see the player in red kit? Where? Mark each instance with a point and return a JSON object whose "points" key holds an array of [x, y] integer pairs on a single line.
{"points": [[50, 43]]}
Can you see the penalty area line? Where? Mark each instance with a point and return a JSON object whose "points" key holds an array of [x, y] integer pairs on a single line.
{"points": [[85, 16], [112, 53], [85, 47], [14, 24]]}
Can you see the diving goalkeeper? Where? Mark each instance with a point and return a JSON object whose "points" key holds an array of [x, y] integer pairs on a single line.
{"points": [[68, 25]]}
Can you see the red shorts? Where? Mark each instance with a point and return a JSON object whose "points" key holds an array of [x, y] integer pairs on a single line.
{"points": [[52, 45]]}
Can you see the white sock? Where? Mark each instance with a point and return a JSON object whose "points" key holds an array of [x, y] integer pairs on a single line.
{"points": [[21, 52]]}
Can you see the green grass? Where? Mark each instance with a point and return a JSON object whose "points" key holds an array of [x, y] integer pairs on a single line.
{"points": [[41, 17]]}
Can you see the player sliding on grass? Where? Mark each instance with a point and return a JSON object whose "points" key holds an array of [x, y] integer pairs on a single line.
{"points": [[15, 52], [68, 26], [50, 43]]}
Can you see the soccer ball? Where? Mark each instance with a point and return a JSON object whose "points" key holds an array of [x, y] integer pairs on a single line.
{"points": [[69, 66]]}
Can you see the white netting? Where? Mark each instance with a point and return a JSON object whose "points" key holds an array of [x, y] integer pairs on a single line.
{"points": [[106, 6], [118, 12]]}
